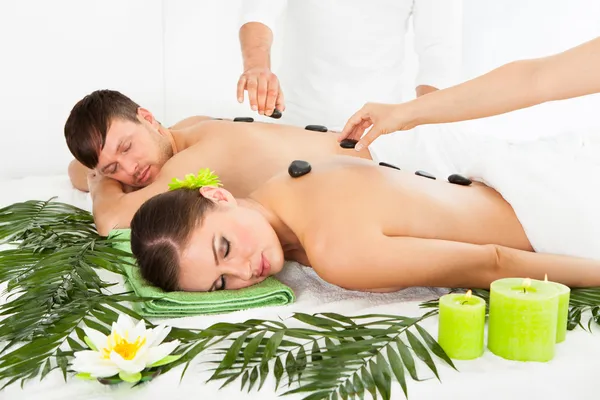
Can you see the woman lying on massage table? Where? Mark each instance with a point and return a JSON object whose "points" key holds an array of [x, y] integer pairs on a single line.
{"points": [[418, 232]]}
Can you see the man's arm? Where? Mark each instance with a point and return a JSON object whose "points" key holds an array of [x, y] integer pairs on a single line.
{"points": [[437, 27], [385, 262], [113, 208], [78, 175]]}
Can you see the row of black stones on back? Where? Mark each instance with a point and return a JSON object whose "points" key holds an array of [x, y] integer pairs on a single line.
{"points": [[454, 178], [317, 128], [300, 168]]}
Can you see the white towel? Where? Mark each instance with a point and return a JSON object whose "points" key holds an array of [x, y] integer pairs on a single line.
{"points": [[553, 186], [552, 183]]}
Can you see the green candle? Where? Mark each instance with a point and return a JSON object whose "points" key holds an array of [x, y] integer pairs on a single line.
{"points": [[563, 309], [462, 322], [523, 319]]}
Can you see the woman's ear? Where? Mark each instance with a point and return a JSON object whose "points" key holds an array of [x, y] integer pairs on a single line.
{"points": [[217, 194]]}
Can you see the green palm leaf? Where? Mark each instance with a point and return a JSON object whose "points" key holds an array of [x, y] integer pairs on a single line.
{"points": [[54, 290]]}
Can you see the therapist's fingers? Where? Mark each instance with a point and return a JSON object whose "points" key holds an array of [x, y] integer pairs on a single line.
{"points": [[280, 103], [272, 94], [370, 137], [252, 87], [263, 86], [241, 86], [352, 128]]}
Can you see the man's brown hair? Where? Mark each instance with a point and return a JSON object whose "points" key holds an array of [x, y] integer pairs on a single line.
{"points": [[90, 119]]}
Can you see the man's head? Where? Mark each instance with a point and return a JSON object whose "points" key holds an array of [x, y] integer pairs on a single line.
{"points": [[203, 240], [110, 133]]}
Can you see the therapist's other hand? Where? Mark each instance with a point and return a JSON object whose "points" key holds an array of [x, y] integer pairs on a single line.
{"points": [[381, 118], [264, 90]]}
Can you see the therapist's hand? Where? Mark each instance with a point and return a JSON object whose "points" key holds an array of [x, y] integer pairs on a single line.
{"points": [[381, 118], [264, 91]]}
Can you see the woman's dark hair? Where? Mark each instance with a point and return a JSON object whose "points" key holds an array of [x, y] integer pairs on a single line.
{"points": [[161, 229]]}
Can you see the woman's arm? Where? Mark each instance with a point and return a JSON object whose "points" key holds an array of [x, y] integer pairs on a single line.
{"points": [[513, 86], [393, 262]]}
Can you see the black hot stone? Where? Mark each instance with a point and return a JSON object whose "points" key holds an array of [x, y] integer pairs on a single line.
{"points": [[299, 168], [459, 180], [318, 128], [276, 114], [243, 119], [384, 164], [348, 143], [425, 174]]}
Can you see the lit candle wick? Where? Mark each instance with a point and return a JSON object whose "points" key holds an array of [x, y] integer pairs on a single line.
{"points": [[526, 284], [467, 296]]}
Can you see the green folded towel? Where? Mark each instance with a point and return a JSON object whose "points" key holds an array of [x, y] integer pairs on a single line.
{"points": [[269, 292]]}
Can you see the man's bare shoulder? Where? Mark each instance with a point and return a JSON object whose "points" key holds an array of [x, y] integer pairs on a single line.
{"points": [[203, 130], [190, 121]]}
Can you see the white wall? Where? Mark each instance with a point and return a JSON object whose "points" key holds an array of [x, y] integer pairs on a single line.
{"points": [[182, 57], [55, 52], [202, 59]]}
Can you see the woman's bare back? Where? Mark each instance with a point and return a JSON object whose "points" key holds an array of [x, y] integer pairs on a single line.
{"points": [[351, 197]]}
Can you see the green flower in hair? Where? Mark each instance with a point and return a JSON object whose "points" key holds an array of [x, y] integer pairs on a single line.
{"points": [[205, 177]]}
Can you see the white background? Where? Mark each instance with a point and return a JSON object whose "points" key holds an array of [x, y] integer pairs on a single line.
{"points": [[181, 57]]}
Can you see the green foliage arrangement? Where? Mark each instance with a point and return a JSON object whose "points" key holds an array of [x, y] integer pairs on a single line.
{"points": [[54, 291]]}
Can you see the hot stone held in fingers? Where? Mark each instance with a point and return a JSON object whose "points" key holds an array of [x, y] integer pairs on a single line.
{"points": [[276, 114], [348, 143]]}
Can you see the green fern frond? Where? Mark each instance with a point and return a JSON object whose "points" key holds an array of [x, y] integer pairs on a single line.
{"points": [[53, 286], [335, 356]]}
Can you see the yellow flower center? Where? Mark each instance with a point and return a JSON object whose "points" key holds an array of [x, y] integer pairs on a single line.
{"points": [[121, 346]]}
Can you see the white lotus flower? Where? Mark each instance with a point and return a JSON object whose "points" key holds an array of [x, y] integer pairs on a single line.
{"points": [[127, 351]]}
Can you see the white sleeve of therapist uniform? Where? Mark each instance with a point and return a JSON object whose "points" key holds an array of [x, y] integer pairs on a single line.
{"points": [[438, 36], [267, 12]]}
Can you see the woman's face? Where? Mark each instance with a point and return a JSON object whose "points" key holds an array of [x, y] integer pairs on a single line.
{"points": [[233, 248]]}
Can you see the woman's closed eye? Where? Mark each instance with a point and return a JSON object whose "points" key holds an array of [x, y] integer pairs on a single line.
{"points": [[225, 246], [222, 287]]}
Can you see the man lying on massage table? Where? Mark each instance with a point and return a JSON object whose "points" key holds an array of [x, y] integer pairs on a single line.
{"points": [[133, 156], [359, 225]]}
